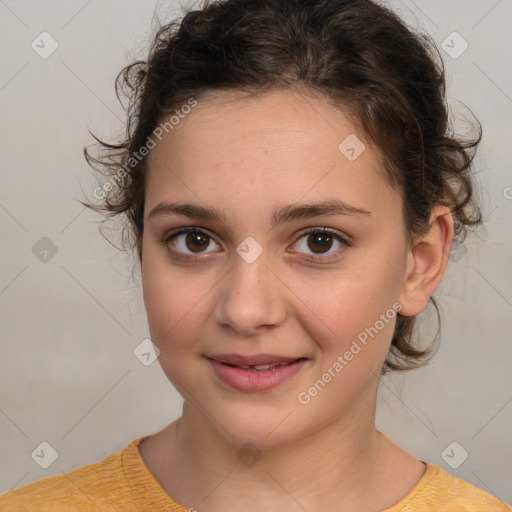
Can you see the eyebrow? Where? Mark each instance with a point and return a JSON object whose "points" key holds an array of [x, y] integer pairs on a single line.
{"points": [[280, 215]]}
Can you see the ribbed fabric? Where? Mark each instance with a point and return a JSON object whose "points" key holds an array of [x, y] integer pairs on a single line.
{"points": [[121, 482], [439, 491]]}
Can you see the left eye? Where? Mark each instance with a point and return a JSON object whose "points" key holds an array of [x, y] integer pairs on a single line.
{"points": [[320, 240]]}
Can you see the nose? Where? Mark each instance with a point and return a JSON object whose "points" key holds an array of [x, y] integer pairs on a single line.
{"points": [[251, 297]]}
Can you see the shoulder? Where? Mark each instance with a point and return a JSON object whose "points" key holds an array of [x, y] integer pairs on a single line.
{"points": [[91, 487], [440, 491]]}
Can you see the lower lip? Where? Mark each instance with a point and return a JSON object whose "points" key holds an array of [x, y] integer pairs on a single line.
{"points": [[251, 380]]}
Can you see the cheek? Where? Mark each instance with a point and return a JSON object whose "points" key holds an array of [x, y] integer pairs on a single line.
{"points": [[352, 316], [343, 305], [174, 302]]}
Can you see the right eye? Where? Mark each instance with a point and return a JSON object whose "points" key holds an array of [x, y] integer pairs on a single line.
{"points": [[188, 239]]}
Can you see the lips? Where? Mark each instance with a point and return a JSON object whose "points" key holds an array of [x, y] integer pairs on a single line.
{"points": [[265, 361], [256, 378]]}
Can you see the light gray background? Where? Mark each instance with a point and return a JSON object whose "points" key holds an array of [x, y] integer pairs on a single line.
{"points": [[68, 375]]}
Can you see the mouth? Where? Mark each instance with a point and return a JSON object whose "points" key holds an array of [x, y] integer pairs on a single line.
{"points": [[246, 361], [259, 376], [264, 367]]}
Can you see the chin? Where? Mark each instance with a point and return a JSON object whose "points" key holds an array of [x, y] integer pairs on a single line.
{"points": [[265, 432]]}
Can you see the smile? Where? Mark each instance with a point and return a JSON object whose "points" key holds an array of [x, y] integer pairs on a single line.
{"points": [[254, 378]]}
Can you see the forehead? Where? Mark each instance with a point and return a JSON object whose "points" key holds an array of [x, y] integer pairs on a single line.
{"points": [[282, 121], [259, 152]]}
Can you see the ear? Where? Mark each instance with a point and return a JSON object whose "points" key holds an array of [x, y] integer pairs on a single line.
{"points": [[426, 262]]}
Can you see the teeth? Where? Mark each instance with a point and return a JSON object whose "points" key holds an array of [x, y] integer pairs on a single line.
{"points": [[263, 366], [267, 367]]}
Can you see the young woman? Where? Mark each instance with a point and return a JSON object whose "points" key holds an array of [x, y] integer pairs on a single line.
{"points": [[293, 191]]}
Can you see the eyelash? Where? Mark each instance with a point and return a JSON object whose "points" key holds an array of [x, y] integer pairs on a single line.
{"points": [[191, 229]]}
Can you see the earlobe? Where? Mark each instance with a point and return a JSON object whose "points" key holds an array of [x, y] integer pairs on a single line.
{"points": [[426, 262]]}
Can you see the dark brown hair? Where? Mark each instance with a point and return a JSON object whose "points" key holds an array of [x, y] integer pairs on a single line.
{"points": [[357, 53]]}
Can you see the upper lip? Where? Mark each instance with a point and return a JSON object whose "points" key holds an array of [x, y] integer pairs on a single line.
{"points": [[254, 360]]}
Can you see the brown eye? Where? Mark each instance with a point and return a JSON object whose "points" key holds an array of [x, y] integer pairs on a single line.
{"points": [[320, 241], [189, 241], [196, 242]]}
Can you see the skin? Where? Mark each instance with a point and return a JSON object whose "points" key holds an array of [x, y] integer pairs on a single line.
{"points": [[246, 156]]}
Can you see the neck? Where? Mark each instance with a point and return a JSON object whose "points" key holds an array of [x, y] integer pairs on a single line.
{"points": [[347, 465]]}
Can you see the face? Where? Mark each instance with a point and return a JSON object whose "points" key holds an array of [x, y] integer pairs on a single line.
{"points": [[255, 280]]}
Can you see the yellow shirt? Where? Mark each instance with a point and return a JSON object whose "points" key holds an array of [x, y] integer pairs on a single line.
{"points": [[121, 482]]}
